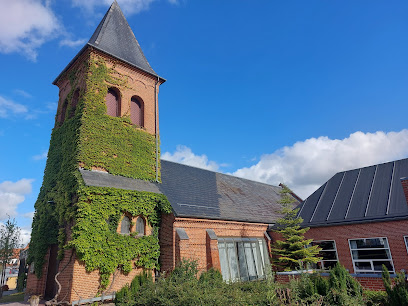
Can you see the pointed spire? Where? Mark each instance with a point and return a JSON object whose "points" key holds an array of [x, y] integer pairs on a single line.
{"points": [[115, 37]]}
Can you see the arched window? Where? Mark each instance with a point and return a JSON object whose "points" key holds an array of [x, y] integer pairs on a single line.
{"points": [[63, 111], [74, 103], [113, 103], [140, 226], [136, 111], [125, 226]]}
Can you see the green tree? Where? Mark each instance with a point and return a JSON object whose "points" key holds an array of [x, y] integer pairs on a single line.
{"points": [[9, 240], [293, 251]]}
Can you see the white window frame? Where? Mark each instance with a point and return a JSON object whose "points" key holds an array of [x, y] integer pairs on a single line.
{"points": [[372, 271], [406, 242], [258, 265], [325, 260]]}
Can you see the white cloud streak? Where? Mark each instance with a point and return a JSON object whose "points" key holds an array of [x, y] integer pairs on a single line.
{"points": [[307, 164], [25, 25], [12, 194], [8, 107], [41, 156], [129, 7], [72, 43], [184, 155]]}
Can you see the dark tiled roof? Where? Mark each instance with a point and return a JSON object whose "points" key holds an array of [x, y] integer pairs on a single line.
{"points": [[199, 193], [103, 179], [115, 37], [361, 195]]}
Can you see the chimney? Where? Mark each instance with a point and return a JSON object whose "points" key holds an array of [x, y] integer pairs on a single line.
{"points": [[404, 182]]}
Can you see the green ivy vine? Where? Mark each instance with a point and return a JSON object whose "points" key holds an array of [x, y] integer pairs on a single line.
{"points": [[89, 138]]}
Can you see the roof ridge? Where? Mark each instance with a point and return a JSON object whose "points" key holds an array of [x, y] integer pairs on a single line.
{"points": [[383, 163]]}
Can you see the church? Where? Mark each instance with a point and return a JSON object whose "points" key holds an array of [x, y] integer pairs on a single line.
{"points": [[109, 208]]}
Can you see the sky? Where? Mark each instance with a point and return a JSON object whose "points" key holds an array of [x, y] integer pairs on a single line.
{"points": [[274, 91]]}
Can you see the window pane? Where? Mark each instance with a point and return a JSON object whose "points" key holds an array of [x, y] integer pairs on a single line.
{"points": [[328, 255], [363, 265], [140, 226], [233, 260], [112, 103], [378, 265], [243, 269], [325, 245], [223, 261], [369, 243], [250, 260], [371, 254], [125, 225], [258, 258], [329, 264]]}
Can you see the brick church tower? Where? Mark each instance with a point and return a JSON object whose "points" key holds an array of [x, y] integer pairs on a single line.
{"points": [[89, 239]]}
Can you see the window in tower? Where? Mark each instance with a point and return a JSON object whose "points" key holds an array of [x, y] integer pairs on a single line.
{"points": [[136, 111], [113, 102], [125, 226], [140, 226]]}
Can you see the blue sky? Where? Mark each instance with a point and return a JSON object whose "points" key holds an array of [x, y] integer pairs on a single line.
{"points": [[274, 91]]}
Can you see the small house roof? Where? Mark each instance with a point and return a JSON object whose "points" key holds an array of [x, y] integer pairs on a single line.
{"points": [[361, 195], [198, 193]]}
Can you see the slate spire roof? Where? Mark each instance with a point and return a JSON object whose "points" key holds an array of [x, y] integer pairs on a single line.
{"points": [[114, 36], [362, 195]]}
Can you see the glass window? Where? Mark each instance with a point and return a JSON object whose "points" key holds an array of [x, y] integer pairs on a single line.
{"points": [[125, 226], [136, 111], [406, 242], [328, 254], [369, 254], [140, 226], [242, 258], [112, 101]]}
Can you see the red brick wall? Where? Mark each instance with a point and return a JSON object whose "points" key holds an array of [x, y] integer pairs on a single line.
{"points": [[36, 286], [393, 230], [199, 246], [369, 283]]}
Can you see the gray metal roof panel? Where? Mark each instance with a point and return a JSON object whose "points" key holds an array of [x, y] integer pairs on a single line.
{"points": [[361, 194], [327, 199], [369, 194], [340, 206]]}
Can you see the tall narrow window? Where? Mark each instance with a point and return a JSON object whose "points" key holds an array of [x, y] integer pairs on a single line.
{"points": [[112, 103], [125, 226], [140, 226], [74, 103], [136, 111]]}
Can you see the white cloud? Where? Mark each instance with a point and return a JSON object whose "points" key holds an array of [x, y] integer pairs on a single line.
{"points": [[29, 215], [25, 25], [41, 156], [25, 235], [72, 43], [307, 164], [184, 155], [23, 93], [12, 194], [7, 107], [129, 7]]}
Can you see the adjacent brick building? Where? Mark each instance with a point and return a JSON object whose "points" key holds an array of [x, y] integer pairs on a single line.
{"points": [[360, 219]]}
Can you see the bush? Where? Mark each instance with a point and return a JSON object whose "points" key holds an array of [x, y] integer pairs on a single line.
{"points": [[127, 294], [344, 289], [397, 294], [375, 298]]}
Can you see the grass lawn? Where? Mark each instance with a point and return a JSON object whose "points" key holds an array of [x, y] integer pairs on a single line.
{"points": [[15, 297]]}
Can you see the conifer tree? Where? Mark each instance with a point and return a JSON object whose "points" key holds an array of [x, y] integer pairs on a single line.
{"points": [[292, 251]]}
